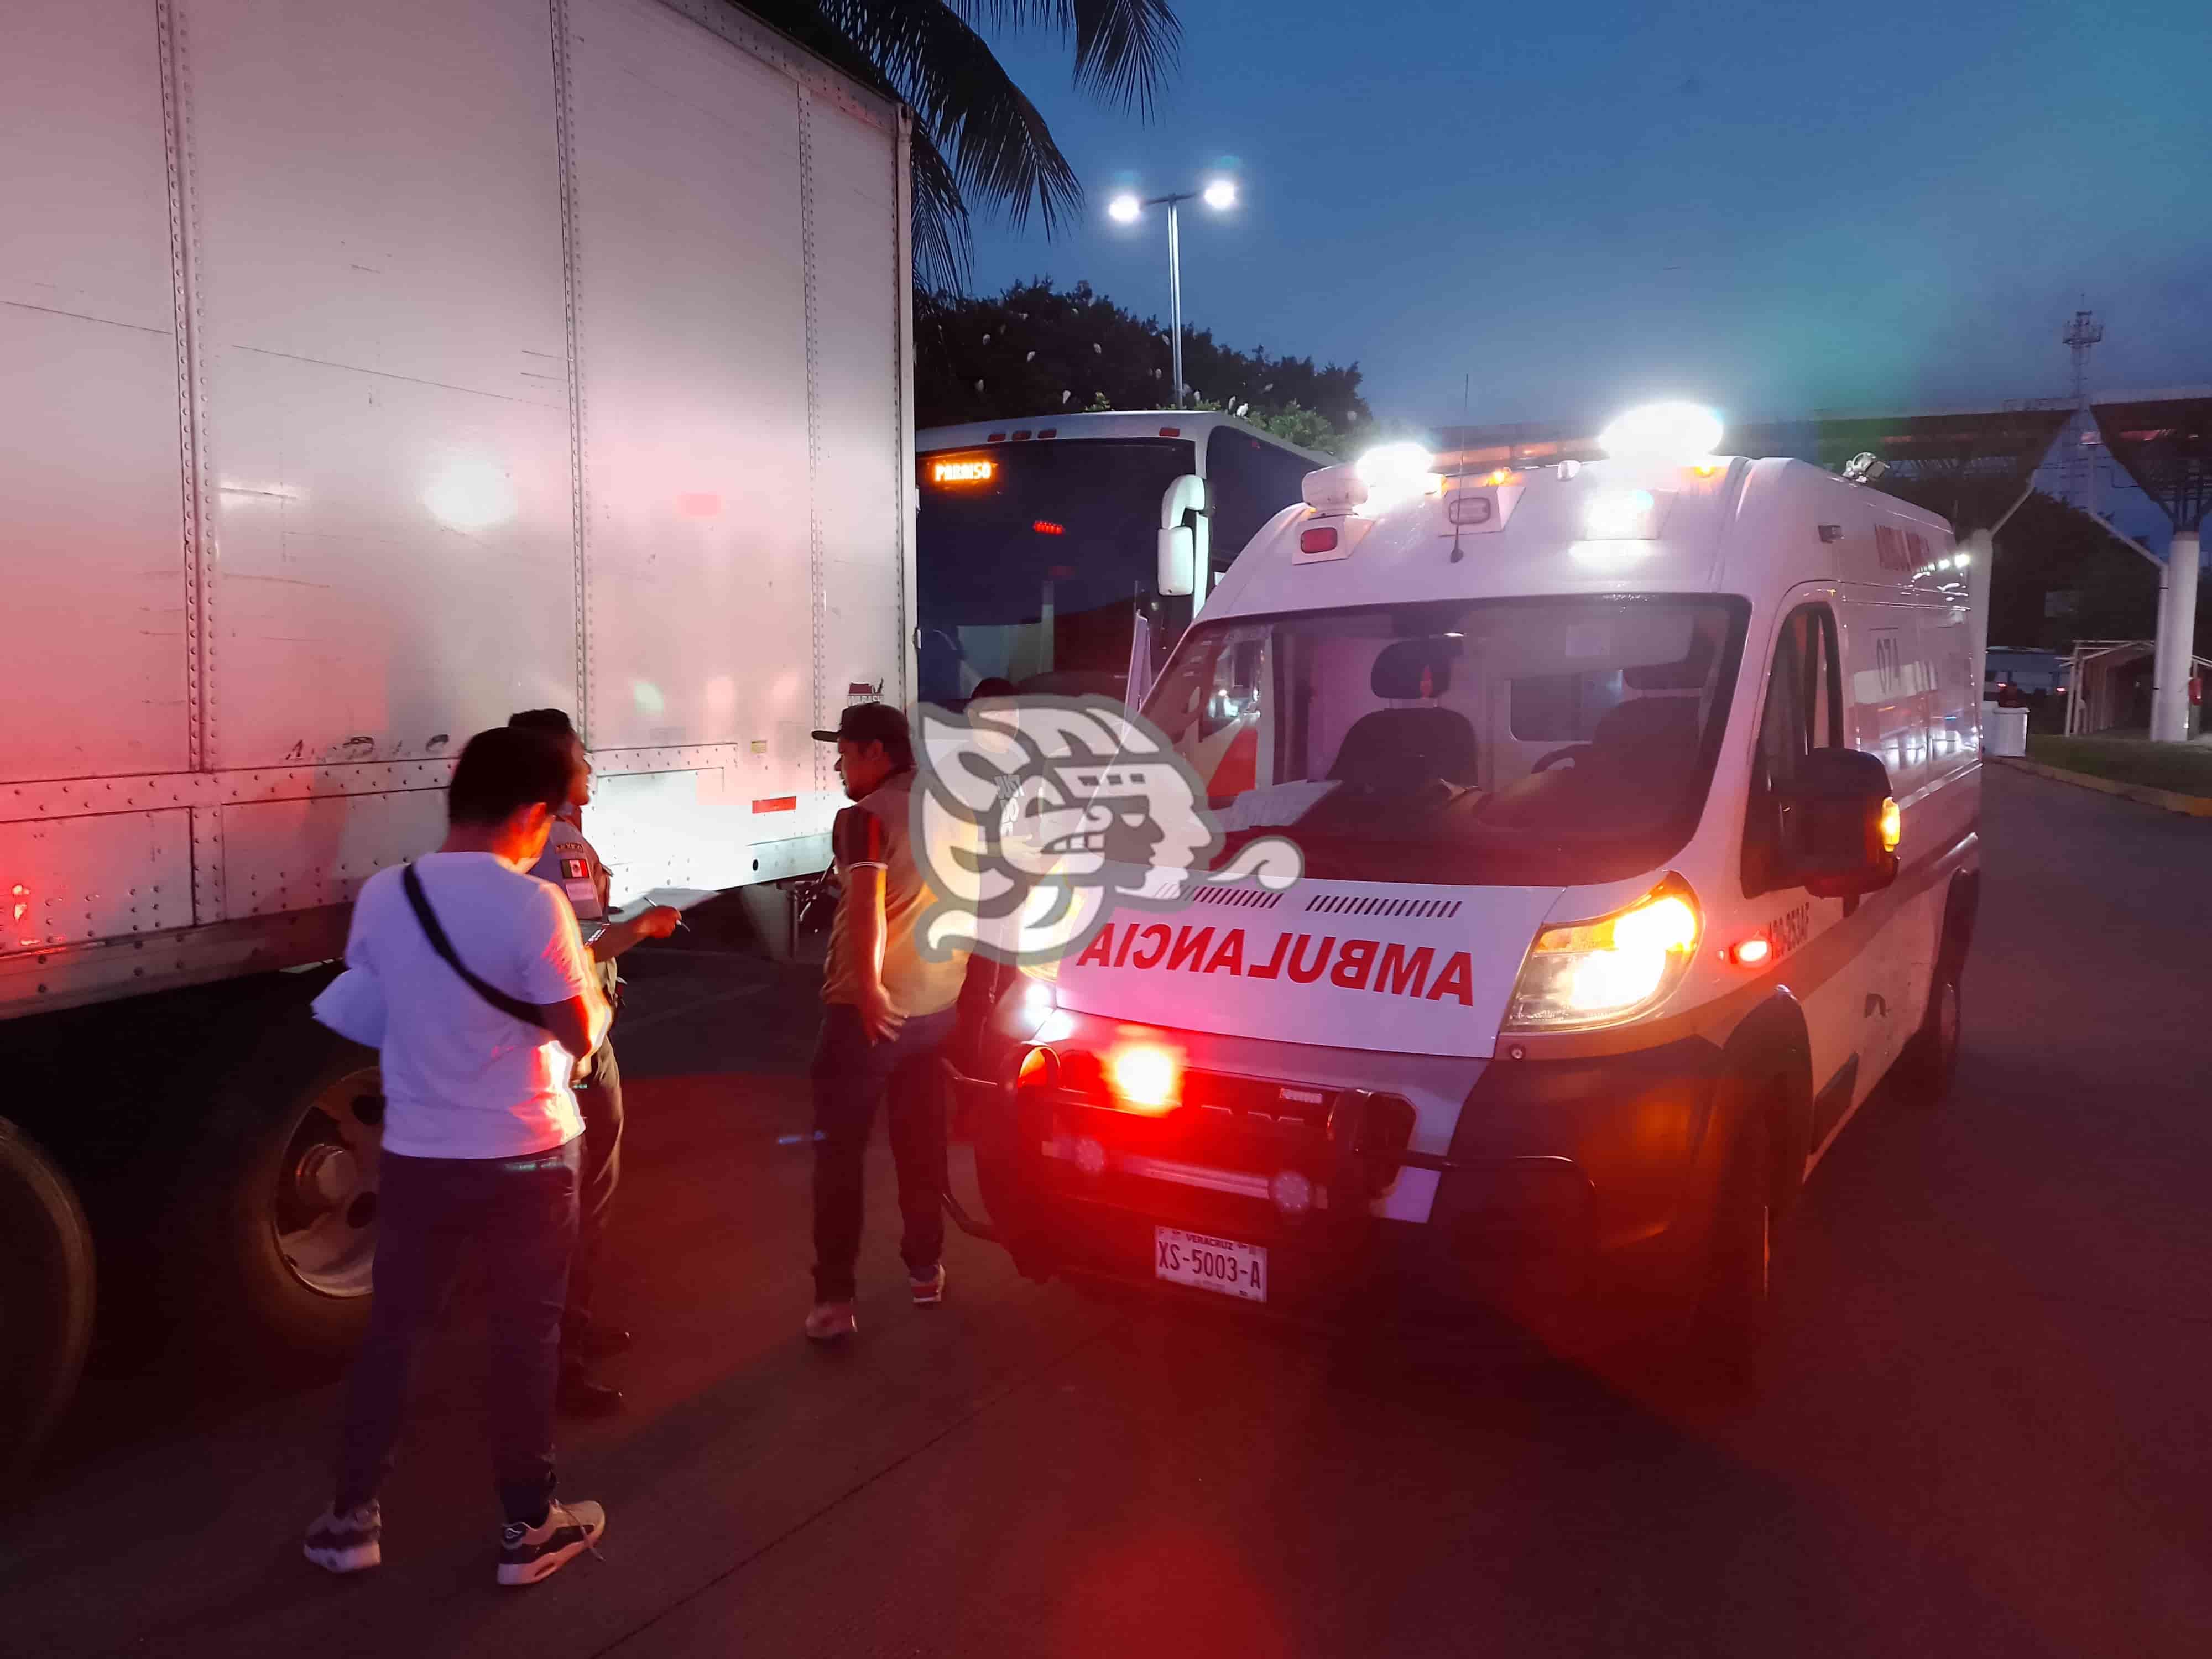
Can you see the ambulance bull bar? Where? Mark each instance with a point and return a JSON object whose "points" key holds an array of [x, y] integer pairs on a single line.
{"points": [[1357, 1163]]}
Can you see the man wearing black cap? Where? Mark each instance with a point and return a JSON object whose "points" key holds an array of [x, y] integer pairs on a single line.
{"points": [[887, 1010]]}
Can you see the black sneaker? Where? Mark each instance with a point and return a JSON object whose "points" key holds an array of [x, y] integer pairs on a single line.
{"points": [[582, 1394], [592, 1339], [348, 1542], [528, 1553]]}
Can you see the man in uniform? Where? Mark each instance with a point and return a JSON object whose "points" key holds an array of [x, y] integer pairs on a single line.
{"points": [[887, 1010], [570, 864]]}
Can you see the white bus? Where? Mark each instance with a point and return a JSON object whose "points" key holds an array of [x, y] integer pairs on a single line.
{"points": [[1041, 543]]}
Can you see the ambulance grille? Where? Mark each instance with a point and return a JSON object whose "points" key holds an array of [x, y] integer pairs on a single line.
{"points": [[1345, 904]]}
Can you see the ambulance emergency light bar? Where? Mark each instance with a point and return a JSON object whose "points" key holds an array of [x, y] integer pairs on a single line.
{"points": [[1661, 434]]}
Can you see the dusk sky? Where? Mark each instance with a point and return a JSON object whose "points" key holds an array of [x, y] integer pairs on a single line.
{"points": [[1771, 207]]}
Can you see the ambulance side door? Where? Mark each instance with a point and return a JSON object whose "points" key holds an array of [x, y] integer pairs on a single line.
{"points": [[1820, 954], [1886, 697]]}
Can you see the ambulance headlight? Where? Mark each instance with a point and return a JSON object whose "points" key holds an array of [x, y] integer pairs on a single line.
{"points": [[1599, 973]]}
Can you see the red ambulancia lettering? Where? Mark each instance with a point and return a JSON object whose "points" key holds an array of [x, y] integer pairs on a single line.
{"points": [[1401, 975], [1274, 965], [1358, 964], [1140, 960], [1352, 963], [1231, 955], [1299, 972], [1190, 950], [1457, 979]]}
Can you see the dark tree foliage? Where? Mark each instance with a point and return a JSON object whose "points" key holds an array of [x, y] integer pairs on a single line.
{"points": [[1035, 351]]}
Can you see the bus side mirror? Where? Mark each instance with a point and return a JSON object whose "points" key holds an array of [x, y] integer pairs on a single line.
{"points": [[1838, 825], [1178, 571], [1183, 540]]}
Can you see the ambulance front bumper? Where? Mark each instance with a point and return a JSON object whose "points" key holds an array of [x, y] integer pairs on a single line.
{"points": [[1562, 1181]]}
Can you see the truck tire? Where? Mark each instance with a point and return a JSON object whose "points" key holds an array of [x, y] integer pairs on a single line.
{"points": [[47, 1297], [272, 1238]]}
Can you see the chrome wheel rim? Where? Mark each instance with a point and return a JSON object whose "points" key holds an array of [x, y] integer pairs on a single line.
{"points": [[325, 1211]]}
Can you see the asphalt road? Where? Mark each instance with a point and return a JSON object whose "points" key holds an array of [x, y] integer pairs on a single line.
{"points": [[1983, 1429]]}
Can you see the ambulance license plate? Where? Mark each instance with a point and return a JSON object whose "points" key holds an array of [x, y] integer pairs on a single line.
{"points": [[1211, 1264]]}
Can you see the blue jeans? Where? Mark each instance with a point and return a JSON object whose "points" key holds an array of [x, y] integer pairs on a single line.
{"points": [[522, 1212], [850, 1075], [601, 1103]]}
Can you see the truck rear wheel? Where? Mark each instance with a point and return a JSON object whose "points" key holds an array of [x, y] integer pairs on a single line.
{"points": [[276, 1226], [47, 1296]]}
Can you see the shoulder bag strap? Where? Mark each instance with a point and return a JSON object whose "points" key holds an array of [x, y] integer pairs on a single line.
{"points": [[514, 1008]]}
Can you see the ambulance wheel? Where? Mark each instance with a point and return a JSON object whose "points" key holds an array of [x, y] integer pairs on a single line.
{"points": [[46, 1296], [1729, 1323], [1930, 1059]]}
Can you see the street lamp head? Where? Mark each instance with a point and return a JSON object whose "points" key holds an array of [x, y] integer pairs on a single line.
{"points": [[1221, 193], [1124, 209]]}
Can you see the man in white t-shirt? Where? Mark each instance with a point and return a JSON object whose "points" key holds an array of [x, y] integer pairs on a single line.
{"points": [[481, 1141]]}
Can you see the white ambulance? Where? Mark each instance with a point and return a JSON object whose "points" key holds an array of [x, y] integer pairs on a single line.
{"points": [[1638, 801]]}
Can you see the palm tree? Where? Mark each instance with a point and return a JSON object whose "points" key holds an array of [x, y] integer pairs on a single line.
{"points": [[979, 143]]}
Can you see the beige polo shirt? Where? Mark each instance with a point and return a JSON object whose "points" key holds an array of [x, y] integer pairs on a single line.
{"points": [[914, 984]]}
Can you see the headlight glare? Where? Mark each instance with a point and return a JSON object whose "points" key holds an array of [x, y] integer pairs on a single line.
{"points": [[1599, 973]]}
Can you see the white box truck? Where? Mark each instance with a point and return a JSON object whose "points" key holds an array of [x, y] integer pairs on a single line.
{"points": [[367, 373]]}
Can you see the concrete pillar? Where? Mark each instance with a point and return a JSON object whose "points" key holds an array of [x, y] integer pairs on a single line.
{"points": [[1978, 549], [2177, 637]]}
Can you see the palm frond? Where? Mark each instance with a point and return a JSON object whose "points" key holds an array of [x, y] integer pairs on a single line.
{"points": [[999, 149], [1125, 50], [942, 245]]}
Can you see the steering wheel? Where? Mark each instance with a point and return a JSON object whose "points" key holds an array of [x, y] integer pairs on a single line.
{"points": [[1558, 754]]}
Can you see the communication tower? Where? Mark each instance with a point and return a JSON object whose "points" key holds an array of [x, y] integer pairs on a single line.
{"points": [[2079, 479]]}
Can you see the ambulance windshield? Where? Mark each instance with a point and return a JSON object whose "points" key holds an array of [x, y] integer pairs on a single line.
{"points": [[1512, 742]]}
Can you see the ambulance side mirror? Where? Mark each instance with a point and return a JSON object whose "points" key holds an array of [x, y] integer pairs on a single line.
{"points": [[1838, 825], [1183, 541]]}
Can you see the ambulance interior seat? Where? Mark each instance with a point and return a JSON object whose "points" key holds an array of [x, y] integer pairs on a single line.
{"points": [[1640, 754], [1400, 750]]}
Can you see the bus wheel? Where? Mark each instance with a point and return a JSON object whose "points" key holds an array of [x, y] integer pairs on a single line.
{"points": [[1930, 1059], [47, 1294]]}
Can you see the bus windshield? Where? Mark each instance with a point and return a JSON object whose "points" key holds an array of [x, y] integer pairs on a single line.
{"points": [[1031, 560], [1507, 742]]}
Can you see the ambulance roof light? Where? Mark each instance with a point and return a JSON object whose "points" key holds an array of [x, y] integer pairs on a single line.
{"points": [[1394, 472], [1333, 490], [1675, 432]]}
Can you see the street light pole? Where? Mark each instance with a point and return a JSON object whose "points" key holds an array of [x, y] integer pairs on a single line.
{"points": [[1126, 208], [1175, 293]]}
